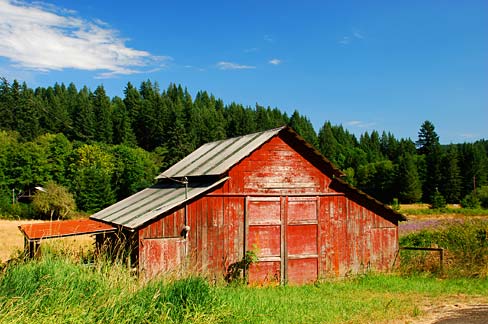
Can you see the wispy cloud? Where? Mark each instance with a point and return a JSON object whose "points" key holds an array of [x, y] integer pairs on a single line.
{"points": [[233, 66], [360, 124], [468, 136], [354, 36], [345, 40], [45, 37], [268, 38], [358, 35], [251, 50], [275, 61]]}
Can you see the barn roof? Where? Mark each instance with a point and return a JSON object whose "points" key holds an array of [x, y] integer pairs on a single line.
{"points": [[147, 204], [207, 167], [216, 158]]}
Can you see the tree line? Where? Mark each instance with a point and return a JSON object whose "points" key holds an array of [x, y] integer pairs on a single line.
{"points": [[103, 149]]}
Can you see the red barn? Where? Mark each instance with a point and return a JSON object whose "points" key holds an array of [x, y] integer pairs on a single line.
{"points": [[270, 193]]}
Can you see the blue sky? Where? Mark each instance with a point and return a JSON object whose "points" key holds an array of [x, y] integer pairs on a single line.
{"points": [[375, 65]]}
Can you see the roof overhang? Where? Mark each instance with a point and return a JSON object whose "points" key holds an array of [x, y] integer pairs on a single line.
{"points": [[55, 229], [146, 205]]}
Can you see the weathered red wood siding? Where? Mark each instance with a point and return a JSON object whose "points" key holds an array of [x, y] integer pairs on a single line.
{"points": [[340, 237]]}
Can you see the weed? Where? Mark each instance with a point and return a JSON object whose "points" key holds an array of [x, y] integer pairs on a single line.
{"points": [[466, 247]]}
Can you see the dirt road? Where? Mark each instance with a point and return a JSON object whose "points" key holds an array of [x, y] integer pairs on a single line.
{"points": [[475, 315]]}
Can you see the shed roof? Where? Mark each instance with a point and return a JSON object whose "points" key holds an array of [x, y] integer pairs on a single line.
{"points": [[47, 230], [147, 204]]}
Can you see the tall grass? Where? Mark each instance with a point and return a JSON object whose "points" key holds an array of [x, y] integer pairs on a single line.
{"points": [[466, 249], [59, 290]]}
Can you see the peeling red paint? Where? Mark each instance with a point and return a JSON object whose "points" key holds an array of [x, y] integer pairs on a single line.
{"points": [[280, 205]]}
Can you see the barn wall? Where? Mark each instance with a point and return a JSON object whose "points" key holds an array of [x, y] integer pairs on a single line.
{"points": [[350, 238]]}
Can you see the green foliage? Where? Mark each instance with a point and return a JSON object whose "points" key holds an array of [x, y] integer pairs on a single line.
{"points": [[407, 179], [37, 145], [54, 201], [471, 201], [428, 145], [437, 201], [466, 244], [236, 272], [482, 194], [134, 170]]}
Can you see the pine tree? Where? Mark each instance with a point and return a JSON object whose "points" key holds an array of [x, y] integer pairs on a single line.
{"points": [[328, 145], [6, 106], [304, 128], [84, 126], [122, 130], [103, 112], [450, 186], [428, 145], [408, 185]]}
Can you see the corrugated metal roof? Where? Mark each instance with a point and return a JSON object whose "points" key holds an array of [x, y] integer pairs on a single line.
{"points": [[64, 228], [216, 158], [145, 205]]}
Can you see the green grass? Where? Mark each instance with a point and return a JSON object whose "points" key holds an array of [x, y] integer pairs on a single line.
{"points": [[57, 290]]}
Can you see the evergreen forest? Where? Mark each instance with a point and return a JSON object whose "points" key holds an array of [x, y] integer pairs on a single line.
{"points": [[103, 149]]}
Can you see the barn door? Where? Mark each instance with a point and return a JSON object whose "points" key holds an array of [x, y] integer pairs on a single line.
{"points": [[264, 236], [301, 262], [283, 231], [163, 255]]}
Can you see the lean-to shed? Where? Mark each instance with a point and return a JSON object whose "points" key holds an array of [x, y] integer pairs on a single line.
{"points": [[270, 193]]}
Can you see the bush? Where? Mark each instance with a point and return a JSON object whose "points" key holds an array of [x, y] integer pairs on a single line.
{"points": [[471, 201], [54, 202], [466, 249], [438, 201], [482, 194]]}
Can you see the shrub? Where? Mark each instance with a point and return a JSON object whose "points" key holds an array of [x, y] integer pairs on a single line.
{"points": [[482, 194], [438, 201], [55, 201], [471, 201], [466, 249]]}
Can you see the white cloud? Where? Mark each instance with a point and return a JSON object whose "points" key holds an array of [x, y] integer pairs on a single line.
{"points": [[233, 66], [47, 38], [358, 35], [345, 40], [354, 36], [268, 38], [275, 61], [360, 124], [468, 136]]}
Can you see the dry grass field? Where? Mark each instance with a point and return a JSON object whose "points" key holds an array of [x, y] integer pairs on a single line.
{"points": [[12, 240]]}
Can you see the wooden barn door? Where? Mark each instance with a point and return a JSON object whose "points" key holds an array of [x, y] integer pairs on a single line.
{"points": [[163, 255], [283, 231], [264, 235], [301, 262]]}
